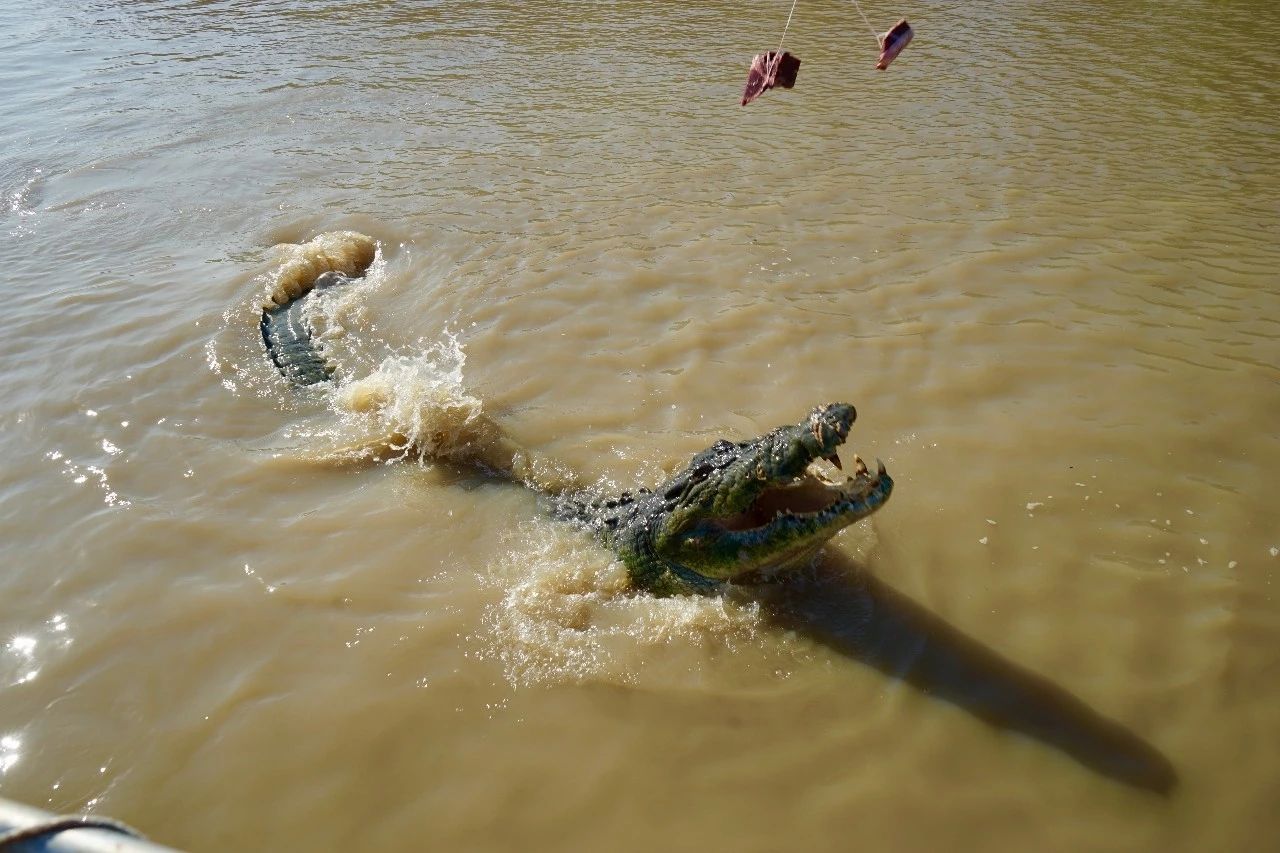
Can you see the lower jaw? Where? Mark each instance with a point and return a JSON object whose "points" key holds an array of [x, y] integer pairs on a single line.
{"points": [[793, 558]]}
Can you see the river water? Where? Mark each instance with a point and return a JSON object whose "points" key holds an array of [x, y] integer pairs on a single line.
{"points": [[1038, 253]]}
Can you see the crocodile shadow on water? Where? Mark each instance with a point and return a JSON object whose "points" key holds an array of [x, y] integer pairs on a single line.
{"points": [[846, 608]]}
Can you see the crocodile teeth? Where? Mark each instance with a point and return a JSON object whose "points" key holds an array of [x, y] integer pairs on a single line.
{"points": [[859, 467], [880, 469], [834, 459]]}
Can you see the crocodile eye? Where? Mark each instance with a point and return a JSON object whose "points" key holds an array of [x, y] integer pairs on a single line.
{"points": [[684, 484], [694, 477]]}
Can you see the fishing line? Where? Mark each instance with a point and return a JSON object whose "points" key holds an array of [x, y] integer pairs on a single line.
{"points": [[864, 20], [777, 56]]}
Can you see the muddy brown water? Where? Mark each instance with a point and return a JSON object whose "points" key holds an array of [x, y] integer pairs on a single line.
{"points": [[1038, 254]]}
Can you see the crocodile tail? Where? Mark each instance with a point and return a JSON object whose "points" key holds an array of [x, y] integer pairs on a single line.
{"points": [[288, 340], [438, 423], [329, 260]]}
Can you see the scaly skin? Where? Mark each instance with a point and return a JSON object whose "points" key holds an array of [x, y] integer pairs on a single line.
{"points": [[738, 511]]}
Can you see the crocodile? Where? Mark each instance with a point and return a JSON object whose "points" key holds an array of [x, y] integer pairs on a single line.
{"points": [[738, 512]]}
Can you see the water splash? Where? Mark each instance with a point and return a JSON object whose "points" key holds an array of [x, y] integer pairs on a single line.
{"points": [[347, 252], [568, 615], [416, 409], [411, 408]]}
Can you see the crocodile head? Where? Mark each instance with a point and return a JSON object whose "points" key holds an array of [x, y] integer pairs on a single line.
{"points": [[744, 508]]}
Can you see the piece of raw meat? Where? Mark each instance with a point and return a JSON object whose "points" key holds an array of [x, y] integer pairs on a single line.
{"points": [[893, 43], [769, 70]]}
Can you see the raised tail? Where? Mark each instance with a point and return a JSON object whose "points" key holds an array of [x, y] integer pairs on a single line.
{"points": [[440, 423], [289, 340], [329, 260]]}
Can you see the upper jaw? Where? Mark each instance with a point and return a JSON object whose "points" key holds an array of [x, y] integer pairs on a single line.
{"points": [[799, 473], [810, 487]]}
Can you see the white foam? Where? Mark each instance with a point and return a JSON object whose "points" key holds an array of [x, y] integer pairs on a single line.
{"points": [[413, 408], [347, 252], [569, 615]]}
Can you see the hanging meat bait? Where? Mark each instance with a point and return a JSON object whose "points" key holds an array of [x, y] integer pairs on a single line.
{"points": [[769, 70], [893, 43], [777, 68]]}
